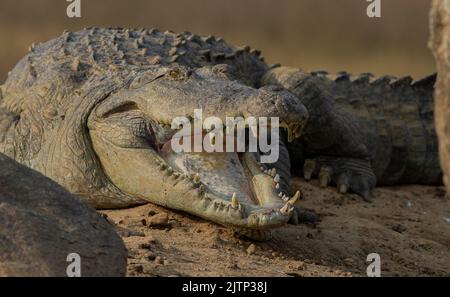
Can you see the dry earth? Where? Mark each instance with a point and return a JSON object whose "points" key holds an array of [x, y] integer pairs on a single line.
{"points": [[408, 226]]}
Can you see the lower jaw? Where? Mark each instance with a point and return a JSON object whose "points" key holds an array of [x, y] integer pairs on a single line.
{"points": [[248, 219]]}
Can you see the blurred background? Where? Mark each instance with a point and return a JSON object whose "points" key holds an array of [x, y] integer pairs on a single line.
{"points": [[310, 34]]}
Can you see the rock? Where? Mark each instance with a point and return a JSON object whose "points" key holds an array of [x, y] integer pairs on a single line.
{"points": [[41, 224], [349, 262], [160, 220], [138, 268], [159, 260], [399, 228], [127, 232], [151, 212], [301, 266], [251, 249], [440, 45], [151, 256]]}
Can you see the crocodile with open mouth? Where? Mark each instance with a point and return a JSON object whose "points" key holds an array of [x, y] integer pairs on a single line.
{"points": [[93, 110]]}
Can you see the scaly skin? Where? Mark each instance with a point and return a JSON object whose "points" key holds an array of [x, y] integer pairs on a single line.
{"points": [[92, 110], [363, 131]]}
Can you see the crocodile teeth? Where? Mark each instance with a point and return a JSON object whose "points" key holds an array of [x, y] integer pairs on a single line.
{"points": [[290, 135], [170, 170], [234, 201], [201, 190], [294, 198], [277, 186], [277, 178], [297, 131], [196, 178], [287, 209], [280, 194], [273, 172], [162, 166]]}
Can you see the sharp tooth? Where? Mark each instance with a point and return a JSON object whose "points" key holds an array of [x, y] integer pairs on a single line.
{"points": [[298, 131], [290, 135], [262, 168], [170, 170], [280, 194], [277, 186], [294, 198], [285, 208], [273, 172], [201, 189], [290, 209], [162, 166], [234, 201], [196, 178], [277, 178]]}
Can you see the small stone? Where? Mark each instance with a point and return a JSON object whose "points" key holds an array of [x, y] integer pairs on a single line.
{"points": [[301, 266], [159, 260], [126, 232], [349, 261], [138, 269], [159, 220], [399, 228], [251, 249]]}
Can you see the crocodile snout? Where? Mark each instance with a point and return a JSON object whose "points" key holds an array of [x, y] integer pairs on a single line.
{"points": [[274, 101]]}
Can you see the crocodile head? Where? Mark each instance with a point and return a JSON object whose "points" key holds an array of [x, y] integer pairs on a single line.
{"points": [[132, 133]]}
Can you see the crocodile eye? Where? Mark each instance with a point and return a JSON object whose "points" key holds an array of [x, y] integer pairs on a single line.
{"points": [[159, 134]]}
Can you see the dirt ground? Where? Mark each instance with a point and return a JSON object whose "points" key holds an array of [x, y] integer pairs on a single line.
{"points": [[408, 226]]}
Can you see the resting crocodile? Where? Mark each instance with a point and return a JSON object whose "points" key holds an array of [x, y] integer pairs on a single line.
{"points": [[93, 109]]}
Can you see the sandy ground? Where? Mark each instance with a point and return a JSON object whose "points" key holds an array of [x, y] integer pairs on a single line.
{"points": [[409, 227]]}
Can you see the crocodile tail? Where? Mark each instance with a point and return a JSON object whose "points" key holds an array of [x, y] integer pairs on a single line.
{"points": [[392, 118], [404, 149]]}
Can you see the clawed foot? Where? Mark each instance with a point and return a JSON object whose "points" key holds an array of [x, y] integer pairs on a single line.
{"points": [[346, 173]]}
